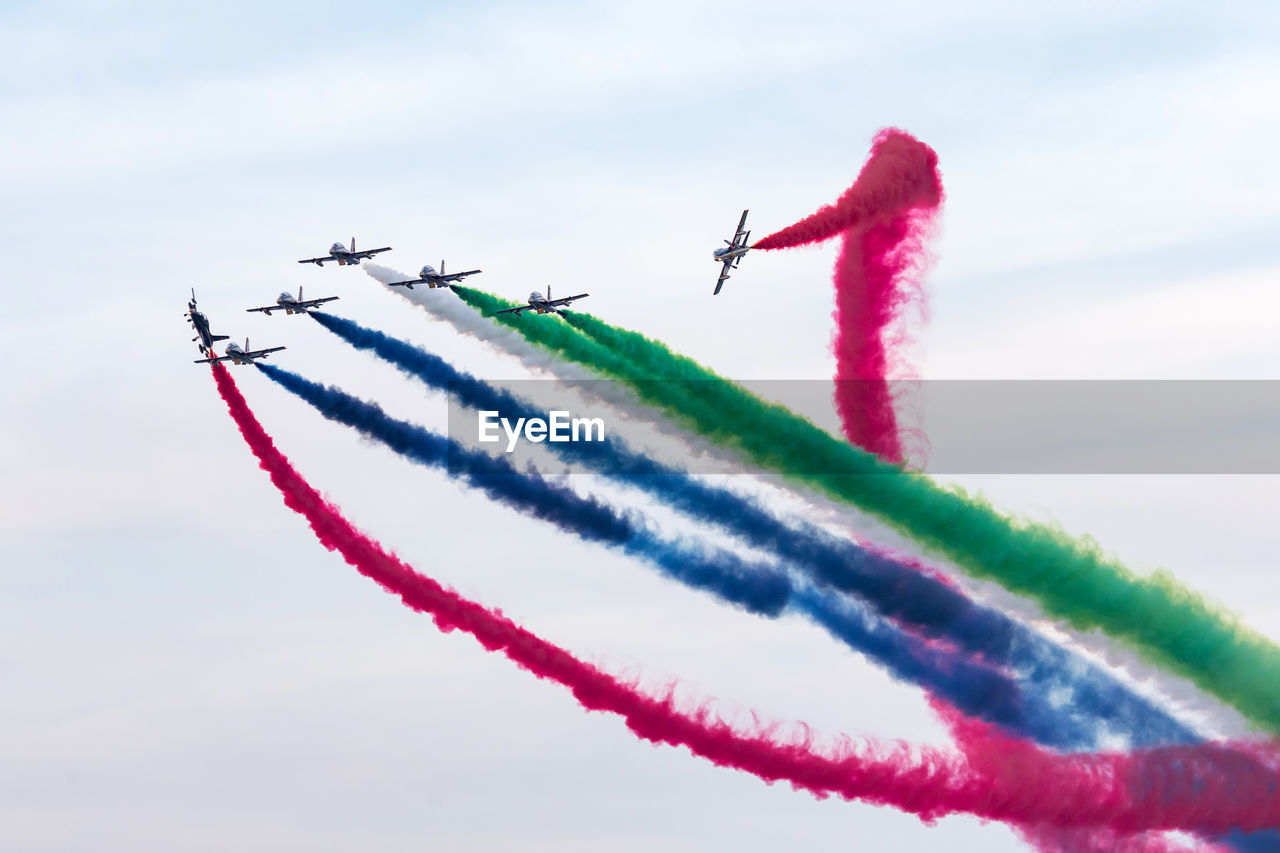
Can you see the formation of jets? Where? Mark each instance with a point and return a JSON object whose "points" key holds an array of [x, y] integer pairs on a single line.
{"points": [[433, 279], [542, 304], [729, 257]]}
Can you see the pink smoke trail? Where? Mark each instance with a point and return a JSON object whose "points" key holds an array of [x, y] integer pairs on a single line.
{"points": [[884, 217], [1004, 780], [1053, 839]]}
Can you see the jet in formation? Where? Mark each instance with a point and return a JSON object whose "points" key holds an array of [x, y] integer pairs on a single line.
{"points": [[343, 255], [542, 304], [731, 256], [431, 278], [200, 323], [289, 305], [240, 355]]}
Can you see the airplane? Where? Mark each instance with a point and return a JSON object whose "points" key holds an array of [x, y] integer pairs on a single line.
{"points": [[431, 278], [732, 256], [238, 355], [542, 305], [200, 323], [290, 305], [343, 255]]}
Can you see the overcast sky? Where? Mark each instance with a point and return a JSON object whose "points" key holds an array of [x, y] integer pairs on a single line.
{"points": [[185, 668]]}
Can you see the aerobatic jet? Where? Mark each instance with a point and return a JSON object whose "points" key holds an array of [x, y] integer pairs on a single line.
{"points": [[240, 355], [541, 304], [290, 305], [732, 255], [200, 323], [343, 255], [431, 278]]}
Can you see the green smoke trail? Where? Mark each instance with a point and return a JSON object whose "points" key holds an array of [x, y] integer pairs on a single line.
{"points": [[1071, 578]]}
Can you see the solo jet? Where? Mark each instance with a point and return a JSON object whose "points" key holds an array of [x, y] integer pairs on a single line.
{"points": [[200, 323], [238, 355], [343, 255], [292, 306], [431, 278], [732, 255], [541, 304]]}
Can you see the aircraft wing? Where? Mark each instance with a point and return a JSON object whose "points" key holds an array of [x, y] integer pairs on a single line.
{"points": [[724, 274], [213, 360], [259, 353], [310, 303], [742, 225], [317, 261], [265, 309], [565, 300], [456, 276], [515, 310], [368, 253], [409, 284]]}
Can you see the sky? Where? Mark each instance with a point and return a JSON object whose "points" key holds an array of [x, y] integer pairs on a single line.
{"points": [[185, 667]]}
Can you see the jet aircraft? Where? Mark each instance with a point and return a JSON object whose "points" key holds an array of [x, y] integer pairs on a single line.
{"points": [[238, 355], [431, 278], [290, 305], [343, 255], [541, 304], [732, 255], [200, 323]]}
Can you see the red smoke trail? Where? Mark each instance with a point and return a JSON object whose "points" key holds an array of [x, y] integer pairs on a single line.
{"points": [[884, 217], [1007, 781]]}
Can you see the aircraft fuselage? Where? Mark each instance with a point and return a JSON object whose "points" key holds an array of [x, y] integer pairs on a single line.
{"points": [[729, 254]]}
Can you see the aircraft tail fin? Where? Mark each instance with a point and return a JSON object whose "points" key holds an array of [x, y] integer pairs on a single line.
{"points": [[442, 266]]}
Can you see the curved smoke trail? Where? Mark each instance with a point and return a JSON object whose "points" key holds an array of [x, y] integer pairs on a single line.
{"points": [[1072, 579], [443, 306], [1086, 702], [883, 218], [1205, 788]]}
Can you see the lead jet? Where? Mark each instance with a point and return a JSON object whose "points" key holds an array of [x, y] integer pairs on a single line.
{"points": [[732, 255], [293, 306], [541, 304], [431, 278], [343, 255], [238, 355], [200, 323]]}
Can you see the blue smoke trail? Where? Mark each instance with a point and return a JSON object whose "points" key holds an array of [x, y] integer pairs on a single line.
{"points": [[894, 590], [974, 687]]}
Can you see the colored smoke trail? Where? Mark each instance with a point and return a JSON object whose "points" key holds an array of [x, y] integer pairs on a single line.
{"points": [[1165, 622], [900, 175], [758, 587], [883, 217], [1046, 670], [1068, 702], [972, 686], [1174, 788]]}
